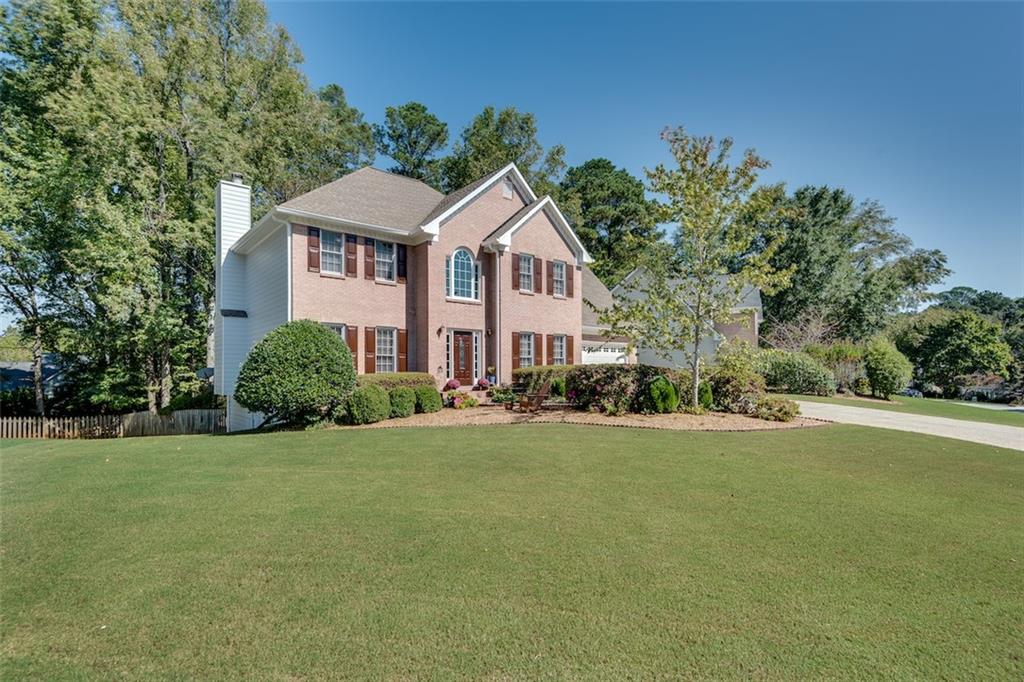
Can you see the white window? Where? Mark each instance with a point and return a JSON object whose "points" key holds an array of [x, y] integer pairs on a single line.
{"points": [[558, 349], [464, 276], [558, 268], [525, 272], [385, 349], [526, 349], [338, 329], [506, 189], [384, 261], [332, 251]]}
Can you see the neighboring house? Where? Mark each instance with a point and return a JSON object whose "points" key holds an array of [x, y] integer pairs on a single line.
{"points": [[598, 347], [746, 320], [16, 374], [412, 280]]}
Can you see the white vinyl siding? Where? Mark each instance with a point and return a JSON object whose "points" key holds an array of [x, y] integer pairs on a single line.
{"points": [[525, 272], [385, 350], [558, 279], [384, 261], [558, 349], [332, 252], [526, 349]]}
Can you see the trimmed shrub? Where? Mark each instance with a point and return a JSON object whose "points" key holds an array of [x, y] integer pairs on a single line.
{"points": [[299, 373], [532, 378], [796, 373], [403, 401], [663, 396], [775, 408], [389, 380], [737, 389], [888, 370], [427, 399], [705, 398], [616, 389], [844, 359], [367, 405], [862, 386]]}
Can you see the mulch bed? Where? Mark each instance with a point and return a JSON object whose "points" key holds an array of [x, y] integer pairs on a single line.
{"points": [[489, 415]]}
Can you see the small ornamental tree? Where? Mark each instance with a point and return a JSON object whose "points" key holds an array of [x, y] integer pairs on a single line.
{"points": [[888, 370], [298, 374]]}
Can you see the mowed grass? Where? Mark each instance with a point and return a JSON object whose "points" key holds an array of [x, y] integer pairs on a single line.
{"points": [[931, 407], [513, 552]]}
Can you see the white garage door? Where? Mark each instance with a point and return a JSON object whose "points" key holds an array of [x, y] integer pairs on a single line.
{"points": [[604, 355]]}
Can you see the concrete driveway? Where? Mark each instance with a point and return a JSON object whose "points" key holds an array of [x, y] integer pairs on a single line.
{"points": [[976, 432]]}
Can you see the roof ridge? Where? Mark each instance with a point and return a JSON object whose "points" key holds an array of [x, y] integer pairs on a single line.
{"points": [[396, 175]]}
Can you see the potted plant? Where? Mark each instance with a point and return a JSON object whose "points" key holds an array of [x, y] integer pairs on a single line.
{"points": [[492, 374]]}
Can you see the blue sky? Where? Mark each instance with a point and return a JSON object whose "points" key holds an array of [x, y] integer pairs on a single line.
{"points": [[918, 105]]}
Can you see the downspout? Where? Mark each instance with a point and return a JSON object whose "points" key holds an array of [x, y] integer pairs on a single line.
{"points": [[288, 250], [497, 322]]}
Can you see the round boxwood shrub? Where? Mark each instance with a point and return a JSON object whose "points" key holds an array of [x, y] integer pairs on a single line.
{"points": [[403, 401], [367, 405], [888, 370], [663, 397], [704, 396], [775, 408], [796, 373], [427, 399], [299, 373]]}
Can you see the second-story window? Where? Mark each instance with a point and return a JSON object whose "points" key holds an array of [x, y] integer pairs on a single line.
{"points": [[332, 256], [384, 261], [525, 272], [558, 278], [464, 276]]}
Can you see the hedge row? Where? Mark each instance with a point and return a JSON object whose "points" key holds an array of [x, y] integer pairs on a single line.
{"points": [[389, 380], [371, 404]]}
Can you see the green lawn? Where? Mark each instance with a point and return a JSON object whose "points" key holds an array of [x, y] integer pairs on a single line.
{"points": [[513, 552], [931, 407]]}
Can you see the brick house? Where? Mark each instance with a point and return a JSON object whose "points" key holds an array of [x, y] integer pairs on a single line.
{"points": [[412, 280]]}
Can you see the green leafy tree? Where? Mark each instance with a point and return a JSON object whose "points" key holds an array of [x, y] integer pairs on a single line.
{"points": [[681, 289], [495, 138], [412, 136], [888, 371], [615, 217]]}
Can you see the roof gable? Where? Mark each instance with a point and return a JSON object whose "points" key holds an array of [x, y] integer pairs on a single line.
{"points": [[501, 238]]}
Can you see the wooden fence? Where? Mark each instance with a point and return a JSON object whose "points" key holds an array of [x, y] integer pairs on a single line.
{"points": [[114, 425]]}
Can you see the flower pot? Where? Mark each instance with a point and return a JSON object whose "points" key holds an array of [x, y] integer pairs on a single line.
{"points": [[508, 406]]}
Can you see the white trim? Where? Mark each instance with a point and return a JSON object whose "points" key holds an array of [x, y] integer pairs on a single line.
{"points": [[278, 216], [288, 250], [497, 343], [502, 241], [474, 274], [477, 350], [434, 226]]}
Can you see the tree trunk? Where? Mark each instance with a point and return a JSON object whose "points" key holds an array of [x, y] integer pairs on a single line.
{"points": [[37, 369], [695, 368], [165, 377], [152, 395]]}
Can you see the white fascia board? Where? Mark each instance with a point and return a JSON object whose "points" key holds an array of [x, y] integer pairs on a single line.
{"points": [[434, 226], [286, 216]]}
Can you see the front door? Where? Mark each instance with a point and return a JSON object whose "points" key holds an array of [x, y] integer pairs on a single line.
{"points": [[462, 357]]}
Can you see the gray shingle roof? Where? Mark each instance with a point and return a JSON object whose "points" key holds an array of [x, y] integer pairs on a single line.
{"points": [[453, 198], [373, 197], [596, 294]]}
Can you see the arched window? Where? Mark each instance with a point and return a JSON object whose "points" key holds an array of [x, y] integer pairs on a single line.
{"points": [[464, 275]]}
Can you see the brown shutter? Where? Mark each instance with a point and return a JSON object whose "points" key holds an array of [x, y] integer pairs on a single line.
{"points": [[403, 350], [515, 270], [401, 265], [313, 249], [352, 339], [551, 348], [538, 276], [370, 350], [515, 350], [538, 349], [351, 255], [551, 278], [570, 274], [569, 357], [369, 253]]}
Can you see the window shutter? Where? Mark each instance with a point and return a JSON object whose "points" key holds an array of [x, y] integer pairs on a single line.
{"points": [[369, 253], [313, 249], [538, 349], [400, 257], [352, 340], [448, 275], [350, 255], [570, 274], [551, 278], [568, 351], [538, 278], [403, 350], [515, 350], [551, 348], [370, 350], [515, 271]]}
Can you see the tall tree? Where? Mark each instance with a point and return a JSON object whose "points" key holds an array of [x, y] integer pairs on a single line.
{"points": [[412, 136], [682, 289], [615, 217], [493, 139]]}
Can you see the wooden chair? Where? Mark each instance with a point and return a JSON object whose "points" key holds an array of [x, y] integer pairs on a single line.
{"points": [[531, 402]]}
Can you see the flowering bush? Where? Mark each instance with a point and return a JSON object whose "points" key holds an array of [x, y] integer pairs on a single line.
{"points": [[460, 400], [483, 385], [616, 389], [452, 385]]}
